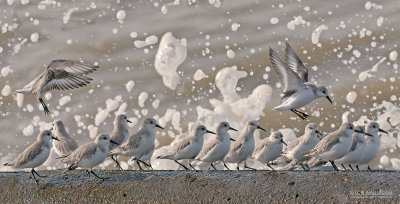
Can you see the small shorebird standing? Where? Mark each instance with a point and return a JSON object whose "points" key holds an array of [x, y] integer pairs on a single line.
{"points": [[139, 144], [269, 148], [66, 144], [357, 149], [244, 146], [61, 75], [335, 145], [373, 143], [297, 91], [302, 144], [35, 155], [188, 148], [89, 155], [218, 147]]}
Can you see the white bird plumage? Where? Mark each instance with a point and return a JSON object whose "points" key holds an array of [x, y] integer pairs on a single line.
{"points": [[297, 91]]}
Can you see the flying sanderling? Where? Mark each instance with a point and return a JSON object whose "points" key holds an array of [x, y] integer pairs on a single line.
{"points": [[61, 75], [297, 91]]}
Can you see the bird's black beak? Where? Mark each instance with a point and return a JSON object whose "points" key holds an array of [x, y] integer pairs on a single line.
{"points": [[360, 131], [54, 138], [380, 130], [368, 134], [329, 99], [157, 125], [259, 127], [231, 128], [128, 121], [211, 132], [283, 142], [317, 131], [114, 142], [51, 128], [232, 139]]}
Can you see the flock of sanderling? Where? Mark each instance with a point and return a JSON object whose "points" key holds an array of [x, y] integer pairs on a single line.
{"points": [[349, 145]]}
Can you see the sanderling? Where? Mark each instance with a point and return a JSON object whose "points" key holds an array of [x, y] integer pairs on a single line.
{"points": [[35, 155], [302, 144], [66, 144], [335, 145], [269, 148], [357, 149], [120, 132], [243, 147], [61, 75], [189, 147], [373, 143], [139, 144], [217, 148], [89, 155], [297, 91]]}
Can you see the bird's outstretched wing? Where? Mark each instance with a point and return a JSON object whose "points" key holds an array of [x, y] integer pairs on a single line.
{"points": [[296, 64], [63, 80], [72, 66], [289, 79]]}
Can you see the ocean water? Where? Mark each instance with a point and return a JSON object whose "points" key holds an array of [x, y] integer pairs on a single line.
{"points": [[188, 62]]}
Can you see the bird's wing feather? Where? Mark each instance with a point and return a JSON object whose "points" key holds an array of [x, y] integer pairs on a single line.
{"points": [[83, 152], [289, 79], [294, 144], [204, 151], [31, 152], [63, 80], [296, 64], [72, 66]]}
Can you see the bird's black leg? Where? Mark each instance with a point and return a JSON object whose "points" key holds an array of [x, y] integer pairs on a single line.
{"points": [[298, 114], [226, 166], [88, 172], [146, 164], [38, 174], [333, 165], [33, 174], [357, 168], [303, 167], [369, 167], [91, 171], [237, 167], [270, 167], [116, 161], [308, 167], [46, 110], [344, 167], [140, 167], [192, 166], [213, 166], [187, 169], [351, 167], [302, 113], [245, 166]]}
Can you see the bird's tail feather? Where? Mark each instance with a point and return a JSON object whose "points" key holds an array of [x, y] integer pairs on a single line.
{"points": [[8, 164]]}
